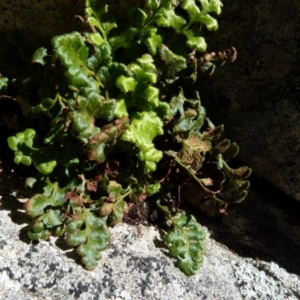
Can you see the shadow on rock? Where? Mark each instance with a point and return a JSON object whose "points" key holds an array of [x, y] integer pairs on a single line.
{"points": [[264, 227]]}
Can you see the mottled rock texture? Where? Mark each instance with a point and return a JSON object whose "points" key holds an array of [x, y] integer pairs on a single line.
{"points": [[252, 253], [259, 94]]}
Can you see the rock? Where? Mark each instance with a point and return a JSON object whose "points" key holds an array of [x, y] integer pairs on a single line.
{"points": [[250, 255], [132, 268], [258, 95], [39, 19]]}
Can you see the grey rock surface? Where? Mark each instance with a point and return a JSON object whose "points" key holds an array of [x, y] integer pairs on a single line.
{"points": [[132, 268], [258, 95], [250, 255]]}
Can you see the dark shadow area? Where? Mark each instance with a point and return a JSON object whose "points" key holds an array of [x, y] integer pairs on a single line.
{"points": [[275, 196], [262, 227], [39, 18], [24, 237], [69, 251]]}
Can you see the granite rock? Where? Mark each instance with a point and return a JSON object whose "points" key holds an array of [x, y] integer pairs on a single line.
{"points": [[258, 95], [252, 253], [132, 268]]}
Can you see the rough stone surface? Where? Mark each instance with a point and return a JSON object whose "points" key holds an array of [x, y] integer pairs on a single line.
{"points": [[132, 268], [259, 93], [252, 253], [38, 18]]}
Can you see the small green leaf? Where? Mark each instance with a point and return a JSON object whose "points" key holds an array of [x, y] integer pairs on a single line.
{"points": [[145, 69], [152, 40], [79, 79], [3, 85], [194, 41], [109, 74], [13, 143], [39, 56], [91, 104], [90, 239], [146, 97], [114, 189], [214, 6], [185, 242], [143, 129], [196, 15], [152, 4], [108, 25], [102, 57], [51, 219], [126, 84], [168, 18], [83, 125], [152, 189], [210, 22], [95, 38], [193, 10], [121, 109], [27, 150], [107, 109], [71, 50], [94, 10], [45, 167], [23, 159], [53, 196], [44, 235], [124, 39]]}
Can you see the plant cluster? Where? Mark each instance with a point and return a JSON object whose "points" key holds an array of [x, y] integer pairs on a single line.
{"points": [[106, 122]]}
